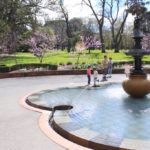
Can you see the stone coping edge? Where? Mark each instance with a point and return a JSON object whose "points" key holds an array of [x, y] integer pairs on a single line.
{"points": [[81, 141], [59, 135], [48, 130], [51, 72]]}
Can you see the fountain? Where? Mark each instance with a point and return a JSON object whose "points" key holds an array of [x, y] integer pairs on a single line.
{"points": [[98, 118], [137, 85]]}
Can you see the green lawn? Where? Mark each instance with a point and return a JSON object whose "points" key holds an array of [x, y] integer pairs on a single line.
{"points": [[62, 57]]}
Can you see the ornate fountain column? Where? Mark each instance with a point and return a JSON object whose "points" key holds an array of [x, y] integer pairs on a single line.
{"points": [[137, 85]]}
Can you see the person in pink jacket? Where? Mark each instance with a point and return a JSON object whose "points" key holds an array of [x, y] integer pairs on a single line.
{"points": [[88, 72]]}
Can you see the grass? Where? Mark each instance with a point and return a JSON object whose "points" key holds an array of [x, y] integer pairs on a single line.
{"points": [[62, 57]]}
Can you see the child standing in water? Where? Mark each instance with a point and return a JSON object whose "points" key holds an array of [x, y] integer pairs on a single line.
{"points": [[104, 67], [95, 73], [127, 68], [88, 72], [110, 66]]}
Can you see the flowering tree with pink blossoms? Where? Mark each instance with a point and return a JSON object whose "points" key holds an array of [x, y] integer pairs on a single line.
{"points": [[91, 42], [80, 46], [37, 50], [40, 43]]}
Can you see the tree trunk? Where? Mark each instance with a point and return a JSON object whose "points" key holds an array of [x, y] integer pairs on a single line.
{"points": [[118, 36], [89, 51], [69, 46], [116, 48], [101, 23], [41, 60], [12, 44], [102, 38]]}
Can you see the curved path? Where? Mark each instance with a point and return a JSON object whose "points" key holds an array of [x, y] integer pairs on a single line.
{"points": [[19, 129]]}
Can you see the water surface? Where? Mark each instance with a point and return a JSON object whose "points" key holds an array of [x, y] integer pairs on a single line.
{"points": [[107, 110]]}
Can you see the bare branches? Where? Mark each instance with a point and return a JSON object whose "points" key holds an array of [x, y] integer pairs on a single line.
{"points": [[112, 10], [99, 16]]}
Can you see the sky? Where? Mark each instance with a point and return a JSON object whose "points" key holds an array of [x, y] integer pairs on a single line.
{"points": [[75, 9]]}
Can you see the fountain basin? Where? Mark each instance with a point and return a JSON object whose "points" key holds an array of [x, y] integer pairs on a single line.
{"points": [[137, 85], [99, 118]]}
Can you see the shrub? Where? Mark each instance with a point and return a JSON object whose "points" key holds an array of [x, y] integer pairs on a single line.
{"points": [[62, 64], [120, 64], [24, 48], [2, 65], [33, 66], [4, 68], [69, 63], [98, 62]]}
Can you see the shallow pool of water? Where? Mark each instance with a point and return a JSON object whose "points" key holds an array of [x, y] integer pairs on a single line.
{"points": [[106, 110]]}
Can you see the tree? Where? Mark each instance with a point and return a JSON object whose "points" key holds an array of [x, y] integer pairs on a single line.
{"points": [[16, 16], [41, 41], [146, 41], [76, 28], [65, 15], [146, 23], [99, 16], [112, 11], [127, 40], [59, 28], [80, 46], [76, 25], [107, 38], [91, 42]]}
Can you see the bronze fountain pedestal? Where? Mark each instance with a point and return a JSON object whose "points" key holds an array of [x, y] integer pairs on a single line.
{"points": [[137, 85]]}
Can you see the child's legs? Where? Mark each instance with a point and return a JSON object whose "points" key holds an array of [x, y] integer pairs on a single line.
{"points": [[105, 71], [109, 71], [95, 79], [89, 79]]}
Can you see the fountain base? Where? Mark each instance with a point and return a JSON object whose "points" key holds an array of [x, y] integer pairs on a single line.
{"points": [[137, 86]]}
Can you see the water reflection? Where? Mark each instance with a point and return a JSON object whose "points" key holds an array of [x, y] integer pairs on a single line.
{"points": [[137, 105], [107, 110]]}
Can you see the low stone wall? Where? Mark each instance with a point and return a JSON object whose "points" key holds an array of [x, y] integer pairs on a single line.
{"points": [[55, 72]]}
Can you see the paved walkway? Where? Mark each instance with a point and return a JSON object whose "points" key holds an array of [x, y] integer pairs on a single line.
{"points": [[19, 128]]}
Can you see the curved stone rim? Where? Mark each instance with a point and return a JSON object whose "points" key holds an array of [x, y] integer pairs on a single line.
{"points": [[55, 130], [47, 129]]}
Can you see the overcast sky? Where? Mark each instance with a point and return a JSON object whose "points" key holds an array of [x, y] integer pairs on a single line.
{"points": [[75, 9]]}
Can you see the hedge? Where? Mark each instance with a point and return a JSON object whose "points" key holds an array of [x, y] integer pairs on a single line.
{"points": [[4, 68]]}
